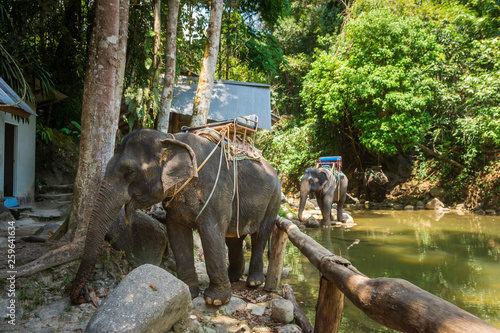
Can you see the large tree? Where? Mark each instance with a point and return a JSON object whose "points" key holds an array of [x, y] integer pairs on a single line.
{"points": [[99, 116], [203, 96], [104, 78], [170, 56]]}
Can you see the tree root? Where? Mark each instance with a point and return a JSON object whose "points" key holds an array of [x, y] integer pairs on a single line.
{"points": [[59, 254]]}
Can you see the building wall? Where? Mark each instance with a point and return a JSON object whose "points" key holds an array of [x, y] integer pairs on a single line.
{"points": [[24, 156]]}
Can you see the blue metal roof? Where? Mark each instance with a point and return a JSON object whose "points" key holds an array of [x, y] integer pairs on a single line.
{"points": [[9, 96], [230, 99]]}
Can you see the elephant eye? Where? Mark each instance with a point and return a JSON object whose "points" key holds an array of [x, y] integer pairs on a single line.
{"points": [[129, 174]]}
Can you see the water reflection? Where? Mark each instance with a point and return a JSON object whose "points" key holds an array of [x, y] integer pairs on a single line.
{"points": [[453, 256]]}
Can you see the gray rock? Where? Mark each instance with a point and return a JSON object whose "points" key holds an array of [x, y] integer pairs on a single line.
{"points": [[229, 308], [312, 222], [420, 205], [434, 204], [48, 228], [409, 207], [290, 328], [54, 309], [479, 212], [490, 212], [314, 203], [144, 240], [258, 311], [9, 310], [398, 207], [283, 198], [149, 299], [190, 324], [282, 310]]}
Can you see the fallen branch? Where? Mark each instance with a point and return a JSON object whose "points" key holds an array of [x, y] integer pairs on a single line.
{"points": [[299, 315], [439, 156]]}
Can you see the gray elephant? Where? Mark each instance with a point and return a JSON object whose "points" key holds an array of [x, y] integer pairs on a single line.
{"points": [[152, 167], [329, 187], [374, 183]]}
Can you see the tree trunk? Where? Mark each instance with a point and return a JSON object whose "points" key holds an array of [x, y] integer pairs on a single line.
{"points": [[201, 103], [170, 56], [99, 115], [122, 60]]}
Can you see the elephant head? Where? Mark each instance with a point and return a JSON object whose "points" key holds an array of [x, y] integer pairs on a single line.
{"points": [[146, 166], [313, 180]]}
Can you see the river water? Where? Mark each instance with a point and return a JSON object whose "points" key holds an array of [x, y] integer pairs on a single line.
{"points": [[451, 255]]}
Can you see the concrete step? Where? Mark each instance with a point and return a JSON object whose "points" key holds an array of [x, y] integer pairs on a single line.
{"points": [[56, 196], [64, 188]]}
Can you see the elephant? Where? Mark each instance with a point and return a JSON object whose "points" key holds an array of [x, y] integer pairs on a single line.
{"points": [[328, 187], [374, 183], [152, 167]]}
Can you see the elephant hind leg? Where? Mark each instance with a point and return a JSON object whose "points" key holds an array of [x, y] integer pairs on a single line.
{"points": [[236, 258]]}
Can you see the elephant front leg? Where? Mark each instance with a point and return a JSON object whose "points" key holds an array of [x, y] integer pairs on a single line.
{"points": [[325, 204], [340, 209], [212, 238], [181, 241], [236, 258], [255, 271]]}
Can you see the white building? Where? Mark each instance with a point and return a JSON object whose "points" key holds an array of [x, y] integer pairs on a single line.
{"points": [[17, 147]]}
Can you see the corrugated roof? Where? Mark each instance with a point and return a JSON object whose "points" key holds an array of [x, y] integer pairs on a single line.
{"points": [[9, 96], [230, 99]]}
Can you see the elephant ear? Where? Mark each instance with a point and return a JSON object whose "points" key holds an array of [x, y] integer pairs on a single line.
{"points": [[178, 163], [323, 176]]}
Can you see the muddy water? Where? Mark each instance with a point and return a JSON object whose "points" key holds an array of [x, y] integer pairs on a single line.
{"points": [[453, 256]]}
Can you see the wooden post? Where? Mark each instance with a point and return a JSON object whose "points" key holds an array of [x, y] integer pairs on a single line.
{"points": [[329, 307], [276, 259]]}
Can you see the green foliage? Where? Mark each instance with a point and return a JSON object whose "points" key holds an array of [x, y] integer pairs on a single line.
{"points": [[290, 148], [137, 99], [44, 133], [75, 131], [382, 79]]}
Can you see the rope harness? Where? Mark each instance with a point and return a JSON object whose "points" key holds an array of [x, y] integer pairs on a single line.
{"points": [[235, 150], [334, 173]]}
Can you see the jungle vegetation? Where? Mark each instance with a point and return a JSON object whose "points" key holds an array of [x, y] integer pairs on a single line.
{"points": [[380, 82]]}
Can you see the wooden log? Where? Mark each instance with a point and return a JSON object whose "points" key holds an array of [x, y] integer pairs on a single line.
{"points": [[329, 307], [276, 259], [300, 316], [394, 303]]}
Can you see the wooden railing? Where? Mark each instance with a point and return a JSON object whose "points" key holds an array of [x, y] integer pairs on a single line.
{"points": [[394, 303]]}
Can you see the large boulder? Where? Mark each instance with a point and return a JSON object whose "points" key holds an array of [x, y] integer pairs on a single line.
{"points": [[149, 299], [144, 240], [434, 204]]}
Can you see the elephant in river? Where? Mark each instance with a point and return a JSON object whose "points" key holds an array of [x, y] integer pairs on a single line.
{"points": [[329, 186], [152, 167], [374, 183]]}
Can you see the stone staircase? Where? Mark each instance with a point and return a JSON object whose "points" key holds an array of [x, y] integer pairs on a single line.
{"points": [[45, 215]]}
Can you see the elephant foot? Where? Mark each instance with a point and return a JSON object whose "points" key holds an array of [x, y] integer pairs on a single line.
{"points": [[194, 290], [234, 276], [326, 224], [255, 279], [217, 297]]}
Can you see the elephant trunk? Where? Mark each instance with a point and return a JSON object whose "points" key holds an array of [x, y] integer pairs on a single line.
{"points": [[304, 192], [103, 214]]}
